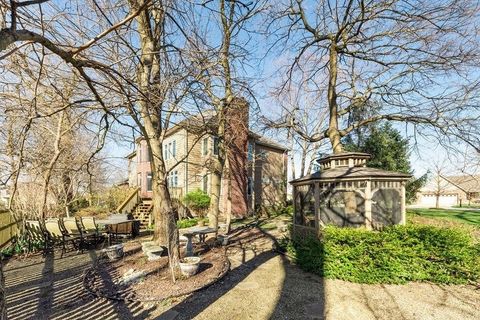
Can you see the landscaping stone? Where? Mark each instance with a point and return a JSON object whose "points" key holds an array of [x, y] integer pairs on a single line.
{"points": [[131, 276], [153, 252]]}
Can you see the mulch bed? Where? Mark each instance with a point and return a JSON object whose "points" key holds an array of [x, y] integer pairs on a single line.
{"points": [[104, 279]]}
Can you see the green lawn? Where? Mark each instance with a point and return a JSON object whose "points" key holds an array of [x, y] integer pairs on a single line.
{"points": [[471, 217]]}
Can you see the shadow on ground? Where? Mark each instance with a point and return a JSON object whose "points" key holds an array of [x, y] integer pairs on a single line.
{"points": [[261, 285], [52, 288]]}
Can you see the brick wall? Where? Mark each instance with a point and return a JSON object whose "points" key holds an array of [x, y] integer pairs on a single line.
{"points": [[236, 136]]}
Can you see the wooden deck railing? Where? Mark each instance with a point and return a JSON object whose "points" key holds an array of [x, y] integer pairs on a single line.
{"points": [[130, 202]]}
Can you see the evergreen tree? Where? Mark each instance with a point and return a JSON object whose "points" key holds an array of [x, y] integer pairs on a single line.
{"points": [[389, 151]]}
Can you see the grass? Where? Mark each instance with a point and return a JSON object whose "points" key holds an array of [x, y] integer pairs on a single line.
{"points": [[395, 255], [469, 206], [471, 217]]}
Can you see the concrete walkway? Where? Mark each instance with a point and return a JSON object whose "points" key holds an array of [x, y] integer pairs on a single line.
{"points": [[261, 285]]}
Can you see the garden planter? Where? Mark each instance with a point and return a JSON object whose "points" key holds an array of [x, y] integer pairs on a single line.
{"points": [[189, 266], [114, 252], [223, 239], [153, 252]]}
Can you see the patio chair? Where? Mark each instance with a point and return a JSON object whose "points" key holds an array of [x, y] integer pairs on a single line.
{"points": [[35, 233], [56, 234], [89, 227], [74, 228]]}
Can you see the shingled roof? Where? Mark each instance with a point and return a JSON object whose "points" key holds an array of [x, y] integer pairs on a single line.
{"points": [[349, 173], [468, 183]]}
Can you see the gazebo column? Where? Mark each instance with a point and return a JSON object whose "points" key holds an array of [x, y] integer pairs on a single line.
{"points": [[403, 210], [368, 205]]}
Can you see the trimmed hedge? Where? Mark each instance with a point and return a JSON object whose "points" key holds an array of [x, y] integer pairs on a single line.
{"points": [[395, 255]]}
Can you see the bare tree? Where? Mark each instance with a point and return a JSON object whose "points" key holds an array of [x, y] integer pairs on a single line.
{"points": [[220, 67], [410, 62], [299, 109], [440, 184], [134, 67]]}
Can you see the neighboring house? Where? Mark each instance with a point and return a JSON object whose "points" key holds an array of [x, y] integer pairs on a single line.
{"points": [[258, 165], [447, 191]]}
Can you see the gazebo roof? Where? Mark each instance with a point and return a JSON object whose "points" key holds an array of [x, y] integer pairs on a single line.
{"points": [[344, 155], [347, 173]]}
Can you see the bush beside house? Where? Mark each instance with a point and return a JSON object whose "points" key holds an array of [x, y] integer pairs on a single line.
{"points": [[198, 202]]}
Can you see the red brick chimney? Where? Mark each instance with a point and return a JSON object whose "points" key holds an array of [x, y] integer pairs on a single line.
{"points": [[236, 137]]}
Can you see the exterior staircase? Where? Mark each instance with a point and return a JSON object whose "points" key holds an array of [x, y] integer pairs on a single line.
{"points": [[143, 212], [141, 209]]}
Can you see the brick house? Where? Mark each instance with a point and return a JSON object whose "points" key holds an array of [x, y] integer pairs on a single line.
{"points": [[258, 165]]}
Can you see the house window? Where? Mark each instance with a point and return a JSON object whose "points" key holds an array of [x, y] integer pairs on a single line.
{"points": [[215, 145], [165, 152], [262, 155], [149, 182], [139, 180], [205, 146], [205, 183], [174, 148], [249, 186], [250, 151], [175, 179]]}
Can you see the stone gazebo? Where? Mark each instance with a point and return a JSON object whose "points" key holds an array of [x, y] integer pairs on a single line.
{"points": [[345, 192]]}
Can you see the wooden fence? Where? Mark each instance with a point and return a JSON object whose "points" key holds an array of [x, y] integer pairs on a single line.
{"points": [[8, 228]]}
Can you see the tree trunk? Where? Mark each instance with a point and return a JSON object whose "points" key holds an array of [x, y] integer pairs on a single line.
{"points": [[166, 232], [333, 132], [292, 153], [303, 160], [218, 172], [216, 187]]}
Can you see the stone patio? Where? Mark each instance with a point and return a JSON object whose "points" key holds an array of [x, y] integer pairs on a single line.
{"points": [[261, 285]]}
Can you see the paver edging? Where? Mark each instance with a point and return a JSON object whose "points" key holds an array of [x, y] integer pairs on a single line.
{"points": [[89, 274]]}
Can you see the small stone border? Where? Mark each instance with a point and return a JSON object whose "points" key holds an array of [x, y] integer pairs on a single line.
{"points": [[89, 274]]}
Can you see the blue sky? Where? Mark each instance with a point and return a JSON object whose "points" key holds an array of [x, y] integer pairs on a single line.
{"points": [[262, 71]]}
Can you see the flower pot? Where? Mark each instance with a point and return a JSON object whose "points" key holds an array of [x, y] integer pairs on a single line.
{"points": [[114, 252], [189, 266]]}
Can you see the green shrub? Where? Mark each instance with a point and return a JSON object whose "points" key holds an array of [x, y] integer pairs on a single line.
{"points": [[395, 255], [186, 223], [197, 201], [21, 246]]}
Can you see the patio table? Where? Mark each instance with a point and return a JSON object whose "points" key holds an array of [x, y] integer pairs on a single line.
{"points": [[113, 226], [202, 233]]}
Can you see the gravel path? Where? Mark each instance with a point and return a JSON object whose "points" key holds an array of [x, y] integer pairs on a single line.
{"points": [[261, 285]]}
